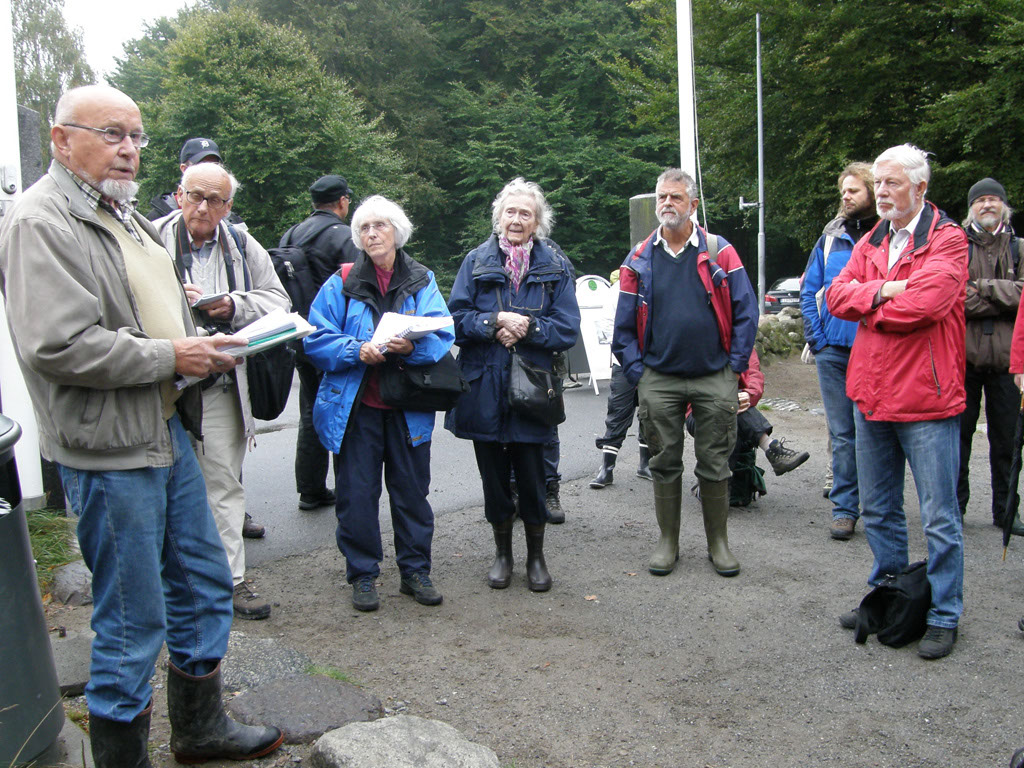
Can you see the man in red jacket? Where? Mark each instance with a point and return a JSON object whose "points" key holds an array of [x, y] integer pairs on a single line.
{"points": [[904, 285]]}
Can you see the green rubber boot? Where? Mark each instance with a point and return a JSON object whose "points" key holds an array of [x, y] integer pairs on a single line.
{"points": [[668, 499], [714, 502]]}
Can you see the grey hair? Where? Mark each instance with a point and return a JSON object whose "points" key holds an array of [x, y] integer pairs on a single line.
{"points": [[69, 101], [971, 219], [520, 186], [192, 170], [379, 207], [680, 176], [913, 160]]}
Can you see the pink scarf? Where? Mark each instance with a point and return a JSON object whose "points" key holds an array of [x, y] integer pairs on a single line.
{"points": [[517, 259]]}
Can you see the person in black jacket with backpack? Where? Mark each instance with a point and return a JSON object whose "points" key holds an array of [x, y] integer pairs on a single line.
{"points": [[326, 241]]}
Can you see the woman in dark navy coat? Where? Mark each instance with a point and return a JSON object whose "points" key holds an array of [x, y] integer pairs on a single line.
{"points": [[512, 291]]}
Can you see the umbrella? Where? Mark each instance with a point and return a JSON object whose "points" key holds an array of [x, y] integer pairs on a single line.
{"points": [[1013, 497]]}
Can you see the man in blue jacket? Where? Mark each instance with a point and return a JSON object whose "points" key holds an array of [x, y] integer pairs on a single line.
{"points": [[830, 338], [684, 328]]}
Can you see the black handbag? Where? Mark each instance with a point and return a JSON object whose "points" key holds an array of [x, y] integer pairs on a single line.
{"points": [[433, 387], [269, 374], [896, 609], [533, 392]]}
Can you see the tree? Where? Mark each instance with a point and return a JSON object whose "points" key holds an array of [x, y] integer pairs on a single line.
{"points": [[48, 60], [842, 81], [279, 120]]}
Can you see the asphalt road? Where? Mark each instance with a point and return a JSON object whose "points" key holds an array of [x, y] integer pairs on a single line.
{"points": [[269, 479]]}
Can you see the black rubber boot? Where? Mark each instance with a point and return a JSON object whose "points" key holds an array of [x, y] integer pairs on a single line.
{"points": [[120, 745], [644, 469], [500, 575], [555, 513], [537, 577], [604, 474], [200, 728]]}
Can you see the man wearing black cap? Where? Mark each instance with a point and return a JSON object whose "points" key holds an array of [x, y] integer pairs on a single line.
{"points": [[193, 151], [993, 295], [327, 242]]}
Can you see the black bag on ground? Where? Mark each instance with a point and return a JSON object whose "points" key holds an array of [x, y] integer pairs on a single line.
{"points": [[747, 482], [434, 387], [896, 609], [534, 392], [269, 374]]}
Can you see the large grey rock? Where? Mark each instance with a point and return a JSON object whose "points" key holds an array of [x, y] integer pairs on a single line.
{"points": [[71, 655], [403, 741], [72, 584], [305, 707], [253, 661]]}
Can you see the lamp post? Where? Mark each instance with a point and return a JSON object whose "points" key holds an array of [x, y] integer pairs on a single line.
{"points": [[759, 204]]}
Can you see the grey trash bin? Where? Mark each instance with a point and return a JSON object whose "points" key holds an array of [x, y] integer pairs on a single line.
{"points": [[31, 715]]}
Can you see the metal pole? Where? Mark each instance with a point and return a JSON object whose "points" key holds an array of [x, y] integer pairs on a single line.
{"points": [[760, 178], [687, 113]]}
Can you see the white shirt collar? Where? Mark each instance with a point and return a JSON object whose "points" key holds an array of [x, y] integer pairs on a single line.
{"points": [[693, 240]]}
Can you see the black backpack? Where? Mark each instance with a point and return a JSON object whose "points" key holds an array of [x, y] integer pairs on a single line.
{"points": [[897, 609], [293, 269]]}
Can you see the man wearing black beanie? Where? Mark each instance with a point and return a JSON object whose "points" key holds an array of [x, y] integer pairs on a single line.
{"points": [[993, 295]]}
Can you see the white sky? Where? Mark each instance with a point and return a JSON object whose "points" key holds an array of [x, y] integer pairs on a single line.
{"points": [[107, 26]]}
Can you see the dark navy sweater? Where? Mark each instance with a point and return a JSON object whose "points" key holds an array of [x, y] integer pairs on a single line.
{"points": [[684, 331]]}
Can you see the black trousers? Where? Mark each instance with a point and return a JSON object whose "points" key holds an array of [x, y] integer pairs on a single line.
{"points": [[311, 458], [1002, 401], [621, 406], [496, 462]]}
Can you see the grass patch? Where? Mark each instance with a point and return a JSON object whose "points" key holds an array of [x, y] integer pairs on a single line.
{"points": [[52, 535], [332, 672]]}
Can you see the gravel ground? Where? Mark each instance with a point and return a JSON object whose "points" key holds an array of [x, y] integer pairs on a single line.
{"points": [[615, 667]]}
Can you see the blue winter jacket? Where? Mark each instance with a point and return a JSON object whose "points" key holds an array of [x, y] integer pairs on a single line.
{"points": [[345, 314], [821, 329], [548, 295]]}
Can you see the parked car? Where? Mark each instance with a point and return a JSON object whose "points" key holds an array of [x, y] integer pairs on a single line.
{"points": [[784, 292]]}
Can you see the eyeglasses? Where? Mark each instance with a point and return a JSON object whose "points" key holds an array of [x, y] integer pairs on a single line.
{"points": [[196, 198], [113, 135], [374, 226]]}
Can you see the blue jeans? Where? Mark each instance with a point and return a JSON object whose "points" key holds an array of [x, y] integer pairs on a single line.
{"points": [[159, 573], [933, 451], [831, 363]]}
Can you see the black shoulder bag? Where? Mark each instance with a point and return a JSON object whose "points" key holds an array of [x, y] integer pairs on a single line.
{"points": [[433, 387], [533, 392], [269, 372]]}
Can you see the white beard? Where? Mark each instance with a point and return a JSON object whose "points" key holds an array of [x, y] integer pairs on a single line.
{"points": [[120, 191], [894, 213]]}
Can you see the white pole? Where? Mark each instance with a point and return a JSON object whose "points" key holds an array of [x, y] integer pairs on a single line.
{"points": [[16, 403], [687, 110], [760, 178]]}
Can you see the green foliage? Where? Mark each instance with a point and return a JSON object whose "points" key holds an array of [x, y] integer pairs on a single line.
{"points": [[48, 59], [842, 81], [279, 120], [51, 535]]}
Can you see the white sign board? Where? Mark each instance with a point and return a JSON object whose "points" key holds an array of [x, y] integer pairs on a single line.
{"points": [[592, 294]]}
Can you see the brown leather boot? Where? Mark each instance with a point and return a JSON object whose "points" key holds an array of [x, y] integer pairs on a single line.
{"points": [[714, 502], [668, 499]]}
